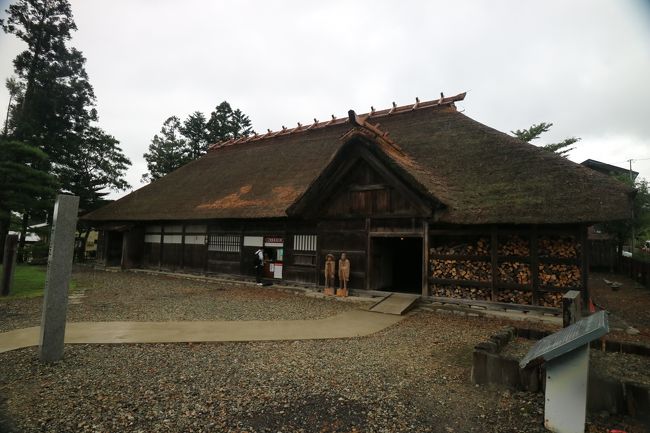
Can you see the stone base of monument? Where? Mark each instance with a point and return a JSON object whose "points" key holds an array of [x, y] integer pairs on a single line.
{"points": [[343, 293], [328, 291]]}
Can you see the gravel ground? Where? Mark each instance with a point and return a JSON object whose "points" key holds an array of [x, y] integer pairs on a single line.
{"points": [[412, 377], [113, 296], [629, 305]]}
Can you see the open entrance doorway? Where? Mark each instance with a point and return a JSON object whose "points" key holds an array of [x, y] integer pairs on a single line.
{"points": [[396, 264], [114, 241]]}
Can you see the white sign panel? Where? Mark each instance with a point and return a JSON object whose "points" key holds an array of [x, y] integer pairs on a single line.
{"points": [[253, 241], [277, 272]]}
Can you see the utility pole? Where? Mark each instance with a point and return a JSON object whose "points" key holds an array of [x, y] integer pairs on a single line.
{"points": [[632, 181]]}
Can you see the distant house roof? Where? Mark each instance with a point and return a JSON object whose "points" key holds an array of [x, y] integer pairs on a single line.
{"points": [[479, 174], [608, 169]]}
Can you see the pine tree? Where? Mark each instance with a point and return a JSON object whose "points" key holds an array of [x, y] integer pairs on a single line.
{"points": [[562, 148]]}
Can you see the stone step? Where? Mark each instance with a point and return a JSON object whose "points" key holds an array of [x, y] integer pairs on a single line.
{"points": [[395, 303]]}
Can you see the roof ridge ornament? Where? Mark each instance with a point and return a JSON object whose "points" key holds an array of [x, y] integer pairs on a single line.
{"points": [[395, 109]]}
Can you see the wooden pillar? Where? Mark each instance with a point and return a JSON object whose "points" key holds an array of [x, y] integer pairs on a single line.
{"points": [[162, 245], [368, 254], [425, 258], [494, 261], [182, 246], [534, 263], [124, 260], [584, 265], [207, 250]]}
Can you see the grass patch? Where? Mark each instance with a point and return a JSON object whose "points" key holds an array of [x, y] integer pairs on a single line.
{"points": [[29, 282]]}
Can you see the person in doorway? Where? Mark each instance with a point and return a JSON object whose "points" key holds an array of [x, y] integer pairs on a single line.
{"points": [[259, 265], [344, 271]]}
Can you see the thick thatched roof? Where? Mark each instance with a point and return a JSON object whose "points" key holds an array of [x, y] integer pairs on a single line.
{"points": [[481, 175]]}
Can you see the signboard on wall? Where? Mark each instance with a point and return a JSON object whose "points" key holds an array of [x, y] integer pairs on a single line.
{"points": [[253, 241], [273, 242]]}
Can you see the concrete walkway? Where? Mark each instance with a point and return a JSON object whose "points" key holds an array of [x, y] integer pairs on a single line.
{"points": [[355, 323]]}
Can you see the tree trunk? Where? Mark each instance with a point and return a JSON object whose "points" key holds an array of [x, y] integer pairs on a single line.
{"points": [[4, 231], [11, 97], [23, 236]]}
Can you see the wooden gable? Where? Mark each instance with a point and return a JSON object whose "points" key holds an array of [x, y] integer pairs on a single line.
{"points": [[359, 183]]}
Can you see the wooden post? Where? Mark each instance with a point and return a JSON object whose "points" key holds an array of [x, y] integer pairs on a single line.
{"points": [[8, 264], [368, 254], [183, 246], [494, 262], [425, 258], [571, 309], [162, 243], [534, 263], [584, 265]]}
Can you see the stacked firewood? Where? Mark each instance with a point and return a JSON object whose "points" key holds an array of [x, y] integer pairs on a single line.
{"points": [[514, 272], [460, 292], [479, 247], [556, 247], [551, 300], [514, 246], [461, 270], [562, 276], [514, 297]]}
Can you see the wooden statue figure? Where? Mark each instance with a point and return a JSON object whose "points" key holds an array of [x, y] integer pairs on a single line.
{"points": [[344, 274], [330, 270]]}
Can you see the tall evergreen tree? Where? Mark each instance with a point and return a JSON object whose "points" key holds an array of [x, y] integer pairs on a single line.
{"points": [[224, 124], [53, 102], [167, 150], [195, 131], [179, 143]]}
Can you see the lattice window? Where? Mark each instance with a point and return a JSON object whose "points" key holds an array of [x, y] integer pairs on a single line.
{"points": [[224, 243], [304, 242]]}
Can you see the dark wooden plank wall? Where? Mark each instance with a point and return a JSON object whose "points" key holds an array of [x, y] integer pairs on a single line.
{"points": [[351, 237], [365, 192]]}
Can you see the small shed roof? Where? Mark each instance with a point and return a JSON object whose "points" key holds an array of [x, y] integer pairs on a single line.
{"points": [[481, 175]]}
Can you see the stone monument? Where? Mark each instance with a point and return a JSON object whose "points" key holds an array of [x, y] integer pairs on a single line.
{"points": [[344, 275], [59, 267]]}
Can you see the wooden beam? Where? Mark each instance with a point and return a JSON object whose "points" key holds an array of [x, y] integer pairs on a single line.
{"points": [[416, 234]]}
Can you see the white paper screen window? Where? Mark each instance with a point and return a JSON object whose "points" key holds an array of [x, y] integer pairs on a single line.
{"points": [[195, 239], [304, 242], [152, 239]]}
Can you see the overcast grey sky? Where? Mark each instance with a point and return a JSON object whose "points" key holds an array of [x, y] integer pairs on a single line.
{"points": [[583, 65]]}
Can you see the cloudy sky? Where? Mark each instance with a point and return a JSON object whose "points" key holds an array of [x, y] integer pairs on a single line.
{"points": [[583, 65]]}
